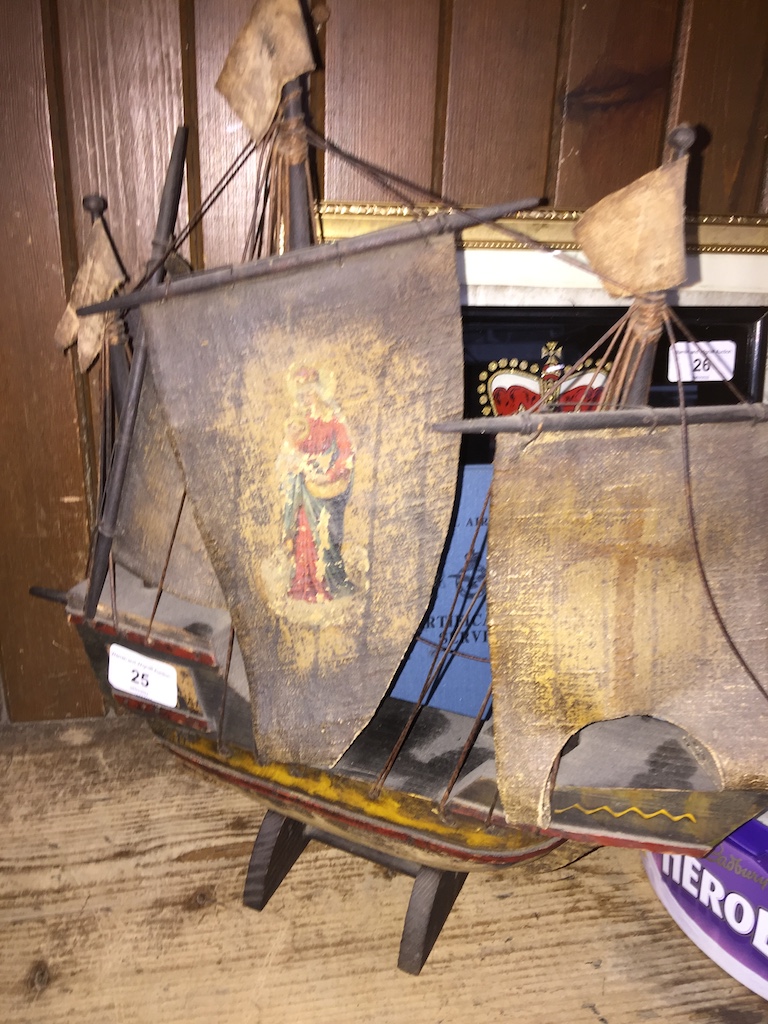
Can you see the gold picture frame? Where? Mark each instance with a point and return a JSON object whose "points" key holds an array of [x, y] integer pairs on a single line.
{"points": [[553, 228]]}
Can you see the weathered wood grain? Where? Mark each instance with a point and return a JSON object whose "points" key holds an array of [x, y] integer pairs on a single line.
{"points": [[724, 90], [500, 97], [42, 523], [222, 134], [121, 877], [619, 73], [380, 88], [121, 69]]}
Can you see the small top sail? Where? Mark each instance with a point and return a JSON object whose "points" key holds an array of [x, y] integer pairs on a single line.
{"points": [[634, 238], [271, 50], [99, 276]]}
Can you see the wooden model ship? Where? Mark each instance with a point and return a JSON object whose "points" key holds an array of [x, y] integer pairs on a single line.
{"points": [[276, 583]]}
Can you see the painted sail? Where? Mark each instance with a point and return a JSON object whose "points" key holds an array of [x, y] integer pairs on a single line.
{"points": [[300, 405], [597, 611]]}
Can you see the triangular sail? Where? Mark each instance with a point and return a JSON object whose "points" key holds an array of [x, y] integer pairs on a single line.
{"points": [[634, 238]]}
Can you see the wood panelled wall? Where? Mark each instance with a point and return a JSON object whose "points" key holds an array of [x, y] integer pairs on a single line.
{"points": [[478, 100], [481, 100]]}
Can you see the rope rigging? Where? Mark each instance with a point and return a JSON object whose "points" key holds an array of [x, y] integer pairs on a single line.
{"points": [[288, 144]]}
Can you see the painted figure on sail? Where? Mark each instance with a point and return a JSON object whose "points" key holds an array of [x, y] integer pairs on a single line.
{"points": [[316, 466]]}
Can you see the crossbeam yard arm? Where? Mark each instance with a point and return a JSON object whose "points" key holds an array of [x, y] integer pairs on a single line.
{"points": [[552, 422], [450, 222], [166, 220]]}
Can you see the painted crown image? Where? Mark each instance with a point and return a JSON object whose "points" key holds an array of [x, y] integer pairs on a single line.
{"points": [[508, 386]]}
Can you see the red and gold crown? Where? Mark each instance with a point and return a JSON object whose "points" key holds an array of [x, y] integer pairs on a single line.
{"points": [[511, 385]]}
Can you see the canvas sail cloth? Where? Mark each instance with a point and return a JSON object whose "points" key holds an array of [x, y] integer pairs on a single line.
{"points": [[99, 276], [152, 495], [597, 611], [301, 405], [634, 238], [271, 50], [596, 606]]}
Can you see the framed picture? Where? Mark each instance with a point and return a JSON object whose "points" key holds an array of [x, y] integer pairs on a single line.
{"points": [[553, 228]]}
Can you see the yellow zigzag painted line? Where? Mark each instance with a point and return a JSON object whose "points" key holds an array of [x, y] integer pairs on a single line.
{"points": [[620, 814]]}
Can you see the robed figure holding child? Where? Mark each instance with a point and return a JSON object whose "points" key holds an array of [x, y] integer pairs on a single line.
{"points": [[317, 467]]}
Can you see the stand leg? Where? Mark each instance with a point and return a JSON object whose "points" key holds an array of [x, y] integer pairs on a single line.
{"points": [[432, 897], [278, 846]]}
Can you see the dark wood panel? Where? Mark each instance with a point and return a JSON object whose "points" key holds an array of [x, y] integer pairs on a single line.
{"points": [[121, 66], [503, 70], [380, 87], [619, 71], [222, 135], [725, 91], [42, 523]]}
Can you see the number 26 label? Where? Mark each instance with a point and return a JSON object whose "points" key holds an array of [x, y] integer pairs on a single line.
{"points": [[702, 360], [142, 677]]}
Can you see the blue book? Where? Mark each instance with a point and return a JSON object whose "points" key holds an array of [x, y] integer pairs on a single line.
{"points": [[451, 646]]}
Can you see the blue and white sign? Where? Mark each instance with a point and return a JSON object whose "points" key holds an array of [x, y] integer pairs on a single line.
{"points": [[451, 647]]}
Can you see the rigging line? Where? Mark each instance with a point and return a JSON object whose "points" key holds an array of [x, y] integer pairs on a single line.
{"points": [[167, 562], [265, 155], [690, 337], [109, 397], [615, 342], [431, 677], [455, 651], [380, 175], [491, 809], [311, 193], [694, 530], [432, 672], [214, 195], [578, 366], [435, 667], [616, 335], [257, 246], [448, 652], [385, 178], [220, 727], [628, 356], [619, 328], [234, 168], [474, 732], [105, 440], [575, 860], [621, 365], [640, 346], [113, 590]]}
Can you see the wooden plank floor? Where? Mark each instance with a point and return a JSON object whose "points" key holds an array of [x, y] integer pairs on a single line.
{"points": [[121, 875]]}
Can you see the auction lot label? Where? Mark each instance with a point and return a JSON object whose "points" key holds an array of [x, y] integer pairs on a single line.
{"points": [[143, 677], [702, 360]]}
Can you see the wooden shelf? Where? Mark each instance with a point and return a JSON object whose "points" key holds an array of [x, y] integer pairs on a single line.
{"points": [[121, 882]]}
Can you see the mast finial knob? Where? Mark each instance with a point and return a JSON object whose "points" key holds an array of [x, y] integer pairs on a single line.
{"points": [[95, 205], [680, 139]]}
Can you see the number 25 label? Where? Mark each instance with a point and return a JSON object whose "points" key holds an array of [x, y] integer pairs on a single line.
{"points": [[143, 677]]}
